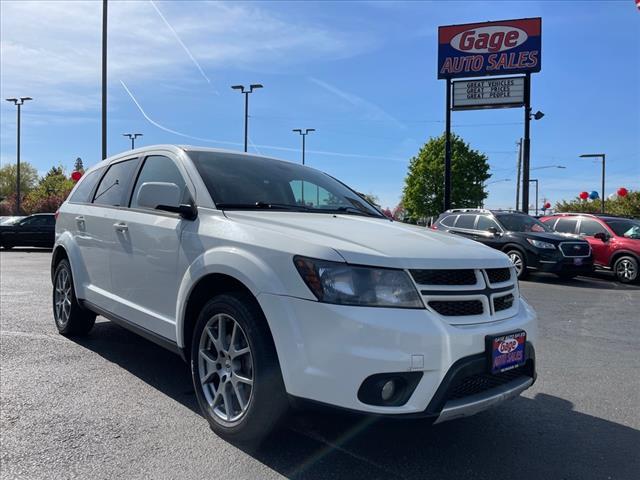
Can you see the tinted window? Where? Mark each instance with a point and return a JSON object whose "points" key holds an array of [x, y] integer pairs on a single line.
{"points": [[515, 222], [484, 223], [625, 228], [160, 169], [82, 193], [449, 220], [566, 225], [245, 181], [115, 184], [466, 221], [590, 227], [549, 221]]}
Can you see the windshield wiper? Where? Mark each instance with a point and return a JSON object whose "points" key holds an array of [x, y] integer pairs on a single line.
{"points": [[354, 210], [262, 205]]}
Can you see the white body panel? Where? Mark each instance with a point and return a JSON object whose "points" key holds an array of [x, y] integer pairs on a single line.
{"points": [[146, 272]]}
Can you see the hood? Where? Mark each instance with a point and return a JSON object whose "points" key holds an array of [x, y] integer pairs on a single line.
{"points": [[372, 241], [551, 237]]}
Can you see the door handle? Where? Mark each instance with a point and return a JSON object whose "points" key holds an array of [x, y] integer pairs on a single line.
{"points": [[121, 227], [79, 219]]}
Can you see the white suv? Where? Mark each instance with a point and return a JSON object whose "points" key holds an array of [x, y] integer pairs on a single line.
{"points": [[277, 283]]}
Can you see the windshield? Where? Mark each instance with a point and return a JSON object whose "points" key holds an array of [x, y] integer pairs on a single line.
{"points": [[522, 223], [624, 227], [246, 182]]}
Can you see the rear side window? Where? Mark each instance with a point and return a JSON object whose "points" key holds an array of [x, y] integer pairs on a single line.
{"points": [[449, 220], [590, 227], [466, 221], [549, 221], [115, 184], [566, 225], [158, 168], [82, 193]]}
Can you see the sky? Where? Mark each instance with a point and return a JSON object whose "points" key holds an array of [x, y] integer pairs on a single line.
{"points": [[363, 74]]}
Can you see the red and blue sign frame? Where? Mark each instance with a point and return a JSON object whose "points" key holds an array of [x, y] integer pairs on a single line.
{"points": [[490, 48]]}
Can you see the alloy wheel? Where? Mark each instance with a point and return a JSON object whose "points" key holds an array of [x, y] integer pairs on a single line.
{"points": [[626, 270], [225, 367], [62, 298], [517, 261]]}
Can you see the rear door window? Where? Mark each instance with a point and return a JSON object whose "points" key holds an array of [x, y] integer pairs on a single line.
{"points": [[566, 225], [485, 223], [466, 222], [115, 184]]}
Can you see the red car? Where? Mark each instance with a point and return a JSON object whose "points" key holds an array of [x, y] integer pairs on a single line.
{"points": [[615, 241]]}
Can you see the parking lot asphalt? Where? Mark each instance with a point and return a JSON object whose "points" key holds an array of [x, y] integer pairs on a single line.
{"points": [[114, 405]]}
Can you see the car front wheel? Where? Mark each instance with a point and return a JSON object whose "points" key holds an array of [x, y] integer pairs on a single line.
{"points": [[519, 262], [235, 369], [626, 269]]}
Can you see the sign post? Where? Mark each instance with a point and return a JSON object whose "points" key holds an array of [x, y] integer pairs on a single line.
{"points": [[487, 49]]}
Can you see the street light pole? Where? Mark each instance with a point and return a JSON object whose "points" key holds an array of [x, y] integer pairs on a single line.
{"points": [[18, 103], [535, 180], [304, 132], [104, 79], [601, 156], [132, 137], [491, 183], [242, 89]]}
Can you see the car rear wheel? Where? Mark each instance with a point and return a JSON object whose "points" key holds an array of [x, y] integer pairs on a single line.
{"points": [[71, 318], [626, 269], [519, 262], [235, 370]]}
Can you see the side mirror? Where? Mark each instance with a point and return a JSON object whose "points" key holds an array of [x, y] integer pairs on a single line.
{"points": [[164, 196], [492, 230], [601, 236]]}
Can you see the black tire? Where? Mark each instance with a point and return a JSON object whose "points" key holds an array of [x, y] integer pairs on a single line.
{"points": [[567, 275], [519, 261], [79, 321], [267, 403], [625, 269]]}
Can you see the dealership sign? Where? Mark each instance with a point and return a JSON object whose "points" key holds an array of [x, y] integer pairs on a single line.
{"points": [[490, 48], [501, 92]]}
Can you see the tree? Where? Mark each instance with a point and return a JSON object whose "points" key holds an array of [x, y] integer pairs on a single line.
{"points": [[28, 179], [78, 166], [51, 191], [371, 198], [423, 193], [627, 206]]}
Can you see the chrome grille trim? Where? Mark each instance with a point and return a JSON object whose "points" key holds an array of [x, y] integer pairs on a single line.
{"points": [[568, 245]]}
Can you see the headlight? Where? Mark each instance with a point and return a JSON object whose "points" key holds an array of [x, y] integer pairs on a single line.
{"points": [[340, 283], [541, 244]]}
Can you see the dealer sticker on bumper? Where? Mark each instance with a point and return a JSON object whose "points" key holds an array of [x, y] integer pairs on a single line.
{"points": [[507, 351]]}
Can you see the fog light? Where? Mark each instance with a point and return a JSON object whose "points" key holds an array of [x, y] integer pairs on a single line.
{"points": [[388, 389]]}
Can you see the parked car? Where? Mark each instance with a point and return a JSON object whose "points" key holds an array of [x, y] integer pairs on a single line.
{"points": [[277, 282], [7, 220], [529, 243], [615, 241], [33, 231]]}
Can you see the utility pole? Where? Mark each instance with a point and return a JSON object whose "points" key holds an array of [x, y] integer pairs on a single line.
{"points": [[104, 79], [132, 137], [18, 103], [519, 143], [527, 143], [246, 93]]}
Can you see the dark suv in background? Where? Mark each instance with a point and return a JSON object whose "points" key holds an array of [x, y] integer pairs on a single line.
{"points": [[529, 243], [33, 231], [615, 241]]}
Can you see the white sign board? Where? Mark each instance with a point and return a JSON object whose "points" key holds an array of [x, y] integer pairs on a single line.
{"points": [[492, 93]]}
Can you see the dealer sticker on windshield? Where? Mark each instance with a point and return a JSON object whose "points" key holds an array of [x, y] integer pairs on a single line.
{"points": [[507, 351]]}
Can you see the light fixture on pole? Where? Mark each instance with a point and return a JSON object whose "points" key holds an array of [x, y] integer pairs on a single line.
{"points": [[549, 166], [304, 132], [18, 103], [246, 92], [132, 137], [601, 156]]}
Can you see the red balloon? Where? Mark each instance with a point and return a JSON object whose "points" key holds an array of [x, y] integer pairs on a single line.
{"points": [[584, 195], [547, 205], [75, 176], [623, 192]]}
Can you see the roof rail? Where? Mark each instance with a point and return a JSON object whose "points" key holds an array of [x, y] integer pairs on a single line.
{"points": [[464, 210]]}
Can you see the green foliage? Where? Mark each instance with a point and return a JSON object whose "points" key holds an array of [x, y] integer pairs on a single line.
{"points": [[51, 191], [628, 206], [423, 193], [28, 179], [78, 166]]}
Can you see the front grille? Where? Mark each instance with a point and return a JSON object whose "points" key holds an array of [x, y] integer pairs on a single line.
{"points": [[444, 277], [497, 275], [502, 303], [482, 382], [457, 308], [575, 249]]}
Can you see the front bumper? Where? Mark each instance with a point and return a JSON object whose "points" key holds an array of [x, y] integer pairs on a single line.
{"points": [[327, 351], [554, 262]]}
